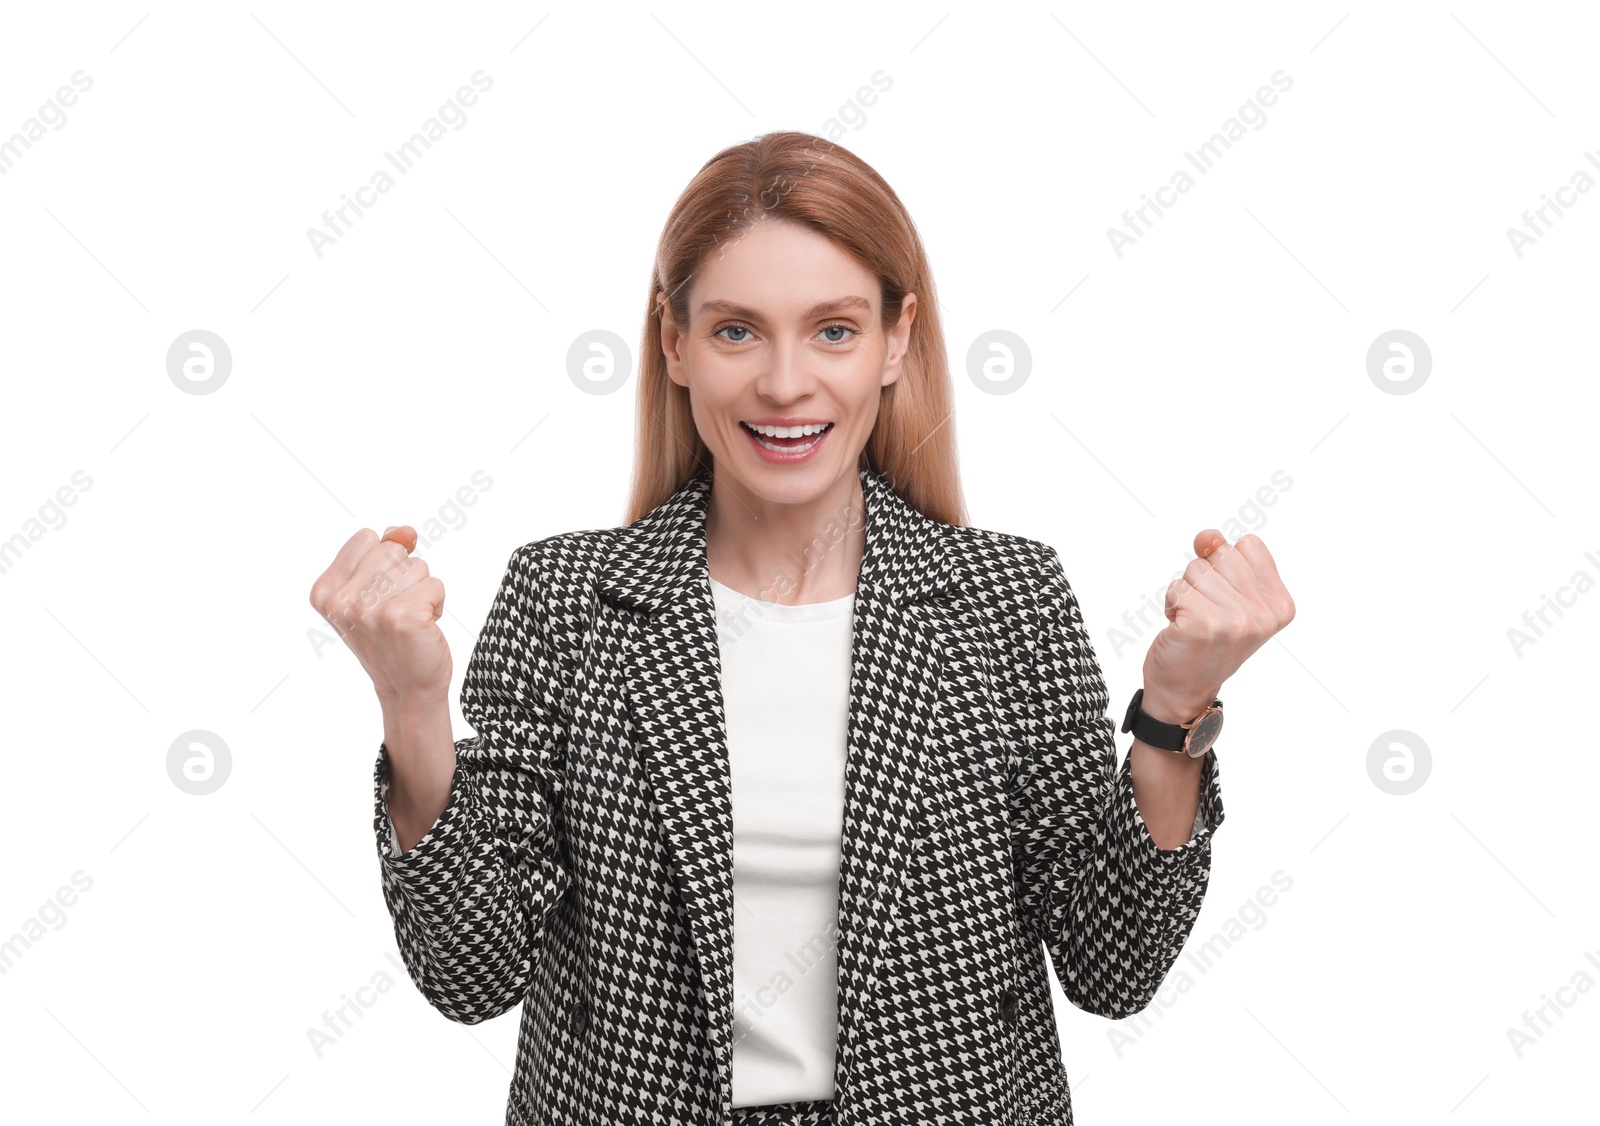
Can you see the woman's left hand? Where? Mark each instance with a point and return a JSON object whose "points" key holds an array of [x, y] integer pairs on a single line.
{"points": [[1229, 601]]}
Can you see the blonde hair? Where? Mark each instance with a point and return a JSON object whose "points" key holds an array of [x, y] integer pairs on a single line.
{"points": [[804, 179]]}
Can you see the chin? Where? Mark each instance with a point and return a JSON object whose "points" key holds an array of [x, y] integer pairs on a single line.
{"points": [[783, 484]]}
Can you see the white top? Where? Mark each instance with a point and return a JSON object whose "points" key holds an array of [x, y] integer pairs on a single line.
{"points": [[786, 699]]}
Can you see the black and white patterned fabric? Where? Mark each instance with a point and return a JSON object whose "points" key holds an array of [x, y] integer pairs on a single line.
{"points": [[583, 869]]}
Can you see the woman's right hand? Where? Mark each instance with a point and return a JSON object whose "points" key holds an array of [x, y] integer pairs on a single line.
{"points": [[386, 607]]}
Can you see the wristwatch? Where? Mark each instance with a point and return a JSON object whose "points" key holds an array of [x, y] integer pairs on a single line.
{"points": [[1194, 738]]}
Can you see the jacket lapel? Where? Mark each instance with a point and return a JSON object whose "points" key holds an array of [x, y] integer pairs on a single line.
{"points": [[673, 684]]}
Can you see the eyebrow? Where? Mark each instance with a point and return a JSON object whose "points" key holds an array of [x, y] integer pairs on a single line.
{"points": [[820, 309]]}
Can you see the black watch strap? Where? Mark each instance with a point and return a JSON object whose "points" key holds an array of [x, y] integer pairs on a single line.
{"points": [[1147, 729]]}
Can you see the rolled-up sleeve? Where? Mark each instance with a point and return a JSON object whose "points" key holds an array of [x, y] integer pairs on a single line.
{"points": [[470, 899], [1112, 908]]}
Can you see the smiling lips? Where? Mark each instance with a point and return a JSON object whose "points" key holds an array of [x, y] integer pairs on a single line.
{"points": [[786, 443]]}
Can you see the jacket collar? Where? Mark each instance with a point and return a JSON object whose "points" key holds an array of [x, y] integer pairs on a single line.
{"points": [[672, 684], [661, 557]]}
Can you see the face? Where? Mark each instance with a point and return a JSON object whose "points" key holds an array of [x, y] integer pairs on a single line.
{"points": [[784, 331]]}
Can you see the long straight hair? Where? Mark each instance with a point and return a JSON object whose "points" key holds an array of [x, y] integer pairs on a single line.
{"points": [[811, 181]]}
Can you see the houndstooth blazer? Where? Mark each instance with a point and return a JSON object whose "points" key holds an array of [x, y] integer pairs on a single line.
{"points": [[583, 865]]}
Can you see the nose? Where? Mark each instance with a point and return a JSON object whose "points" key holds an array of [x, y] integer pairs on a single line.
{"points": [[787, 375]]}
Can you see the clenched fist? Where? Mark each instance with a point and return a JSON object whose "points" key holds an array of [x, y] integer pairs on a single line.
{"points": [[1228, 604], [384, 604]]}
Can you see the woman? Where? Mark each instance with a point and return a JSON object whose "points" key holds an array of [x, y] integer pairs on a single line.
{"points": [[782, 791]]}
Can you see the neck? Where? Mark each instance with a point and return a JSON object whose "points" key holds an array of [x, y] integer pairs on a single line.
{"points": [[793, 553]]}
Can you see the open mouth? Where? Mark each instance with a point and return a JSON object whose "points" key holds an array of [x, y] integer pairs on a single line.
{"points": [[790, 440]]}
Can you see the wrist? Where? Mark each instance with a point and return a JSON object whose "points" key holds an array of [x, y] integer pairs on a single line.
{"points": [[1169, 708], [405, 705], [413, 721]]}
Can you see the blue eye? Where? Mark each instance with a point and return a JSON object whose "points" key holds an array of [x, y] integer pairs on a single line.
{"points": [[849, 332]]}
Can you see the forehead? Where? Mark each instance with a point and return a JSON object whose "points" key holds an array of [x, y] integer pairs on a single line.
{"points": [[780, 269]]}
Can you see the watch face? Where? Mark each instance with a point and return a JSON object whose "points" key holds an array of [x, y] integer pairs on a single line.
{"points": [[1204, 733]]}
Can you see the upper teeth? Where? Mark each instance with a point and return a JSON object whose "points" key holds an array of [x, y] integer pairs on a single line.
{"points": [[789, 431]]}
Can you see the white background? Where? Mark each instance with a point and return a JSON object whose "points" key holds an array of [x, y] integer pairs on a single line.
{"points": [[370, 383]]}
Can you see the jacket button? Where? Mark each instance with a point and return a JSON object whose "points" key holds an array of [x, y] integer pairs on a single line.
{"points": [[1008, 1006], [578, 1018]]}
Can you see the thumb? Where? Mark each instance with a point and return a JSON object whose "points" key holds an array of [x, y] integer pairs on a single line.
{"points": [[1207, 541], [403, 534]]}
